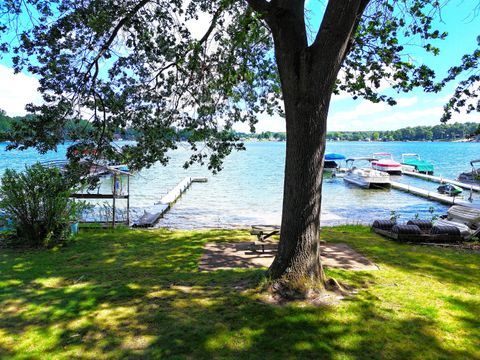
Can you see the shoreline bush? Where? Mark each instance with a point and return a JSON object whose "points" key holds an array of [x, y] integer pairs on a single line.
{"points": [[37, 201]]}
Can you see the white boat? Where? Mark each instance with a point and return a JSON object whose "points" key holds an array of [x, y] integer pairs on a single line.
{"points": [[383, 161], [340, 172], [366, 177]]}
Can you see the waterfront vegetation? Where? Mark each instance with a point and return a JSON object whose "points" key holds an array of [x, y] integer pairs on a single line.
{"points": [[139, 294], [74, 129], [38, 205], [440, 132]]}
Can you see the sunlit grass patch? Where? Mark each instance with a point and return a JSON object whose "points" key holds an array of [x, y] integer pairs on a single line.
{"points": [[139, 294]]}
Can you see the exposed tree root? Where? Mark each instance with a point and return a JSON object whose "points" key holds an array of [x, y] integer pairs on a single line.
{"points": [[333, 285], [283, 291]]}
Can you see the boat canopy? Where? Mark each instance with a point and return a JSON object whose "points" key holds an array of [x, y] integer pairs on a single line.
{"points": [[61, 165], [420, 165], [334, 156], [474, 162]]}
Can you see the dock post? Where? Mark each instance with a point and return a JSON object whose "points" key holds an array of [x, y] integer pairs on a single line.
{"points": [[128, 200], [114, 195]]}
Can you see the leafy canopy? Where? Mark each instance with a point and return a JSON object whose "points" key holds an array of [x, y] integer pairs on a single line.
{"points": [[140, 64]]}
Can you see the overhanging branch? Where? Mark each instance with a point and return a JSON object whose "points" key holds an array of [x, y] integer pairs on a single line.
{"points": [[261, 6], [338, 27], [114, 34], [360, 12], [215, 18]]}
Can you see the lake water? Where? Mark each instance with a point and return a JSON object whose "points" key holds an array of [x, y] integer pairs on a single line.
{"points": [[249, 188]]}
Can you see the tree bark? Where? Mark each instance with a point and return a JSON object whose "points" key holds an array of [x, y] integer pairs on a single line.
{"points": [[308, 75], [298, 257]]}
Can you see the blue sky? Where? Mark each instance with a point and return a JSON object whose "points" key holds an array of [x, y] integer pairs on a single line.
{"points": [[415, 108]]}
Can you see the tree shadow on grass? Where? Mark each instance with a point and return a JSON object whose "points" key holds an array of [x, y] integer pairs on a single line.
{"points": [[467, 312], [140, 295], [457, 267]]}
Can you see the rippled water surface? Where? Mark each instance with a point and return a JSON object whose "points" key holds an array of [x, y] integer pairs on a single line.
{"points": [[249, 189]]}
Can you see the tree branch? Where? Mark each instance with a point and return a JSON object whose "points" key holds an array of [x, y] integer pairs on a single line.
{"points": [[339, 23], [114, 34], [360, 11], [261, 6], [215, 18]]}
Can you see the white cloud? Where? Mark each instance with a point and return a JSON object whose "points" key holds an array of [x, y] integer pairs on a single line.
{"points": [[366, 115], [198, 27], [390, 119], [17, 90], [265, 123], [393, 118], [368, 108], [404, 102]]}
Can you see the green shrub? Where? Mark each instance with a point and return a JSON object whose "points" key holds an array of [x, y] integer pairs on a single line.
{"points": [[37, 201]]}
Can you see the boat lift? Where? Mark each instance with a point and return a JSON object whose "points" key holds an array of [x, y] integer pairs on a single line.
{"points": [[98, 169], [115, 195]]}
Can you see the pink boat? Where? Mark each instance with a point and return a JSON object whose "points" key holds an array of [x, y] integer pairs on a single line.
{"points": [[386, 163]]}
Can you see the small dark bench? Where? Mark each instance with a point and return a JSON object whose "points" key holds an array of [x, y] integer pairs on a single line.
{"points": [[263, 232]]}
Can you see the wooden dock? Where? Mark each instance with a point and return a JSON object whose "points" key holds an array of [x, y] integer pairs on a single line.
{"points": [[174, 194], [432, 195], [158, 210], [442, 180]]}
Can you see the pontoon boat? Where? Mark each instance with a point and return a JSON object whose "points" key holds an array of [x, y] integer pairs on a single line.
{"points": [[366, 177]]}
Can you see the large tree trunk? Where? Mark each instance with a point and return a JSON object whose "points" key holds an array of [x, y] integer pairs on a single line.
{"points": [[308, 74], [298, 258]]}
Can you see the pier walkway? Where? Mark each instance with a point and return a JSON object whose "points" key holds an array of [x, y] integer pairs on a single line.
{"points": [[442, 180], [444, 199], [156, 212]]}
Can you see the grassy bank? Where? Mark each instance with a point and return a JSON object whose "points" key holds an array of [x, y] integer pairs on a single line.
{"points": [[138, 294]]}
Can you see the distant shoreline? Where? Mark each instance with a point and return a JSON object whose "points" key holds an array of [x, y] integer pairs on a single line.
{"points": [[464, 140]]}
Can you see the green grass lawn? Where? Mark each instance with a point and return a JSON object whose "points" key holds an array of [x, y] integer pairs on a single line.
{"points": [[138, 294]]}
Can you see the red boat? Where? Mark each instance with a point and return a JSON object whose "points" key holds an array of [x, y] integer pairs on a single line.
{"points": [[384, 162]]}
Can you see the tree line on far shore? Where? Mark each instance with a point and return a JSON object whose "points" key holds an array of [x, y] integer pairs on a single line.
{"points": [[5, 124], [74, 130], [441, 132]]}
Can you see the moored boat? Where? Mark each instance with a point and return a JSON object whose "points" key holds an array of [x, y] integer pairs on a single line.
{"points": [[366, 177], [383, 161], [449, 189], [413, 162], [470, 177], [330, 165]]}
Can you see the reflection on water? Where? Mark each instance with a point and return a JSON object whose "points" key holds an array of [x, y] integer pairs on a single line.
{"points": [[249, 189]]}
